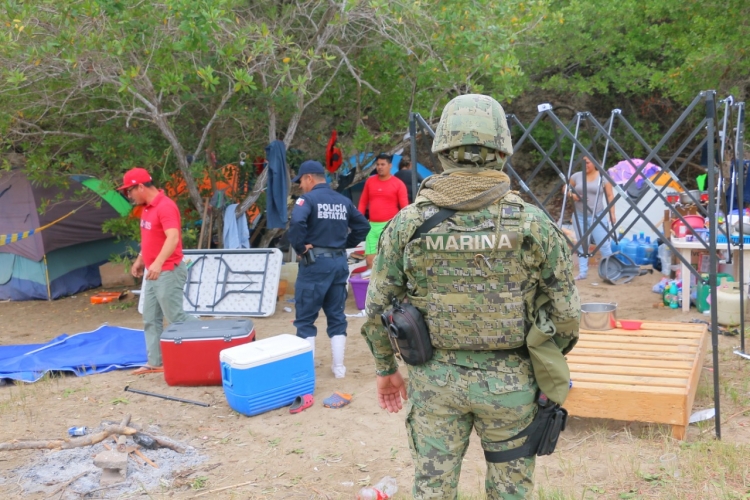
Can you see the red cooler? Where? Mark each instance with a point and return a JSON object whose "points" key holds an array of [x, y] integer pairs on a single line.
{"points": [[190, 350]]}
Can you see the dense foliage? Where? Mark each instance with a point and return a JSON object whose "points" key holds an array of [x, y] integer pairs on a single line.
{"points": [[97, 86]]}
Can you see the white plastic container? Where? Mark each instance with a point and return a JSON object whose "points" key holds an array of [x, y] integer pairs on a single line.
{"points": [[267, 374], [728, 309]]}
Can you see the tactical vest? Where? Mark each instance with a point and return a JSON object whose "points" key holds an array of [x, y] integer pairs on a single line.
{"points": [[475, 280]]}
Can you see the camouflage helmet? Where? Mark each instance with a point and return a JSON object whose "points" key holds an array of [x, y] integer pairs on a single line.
{"points": [[473, 120]]}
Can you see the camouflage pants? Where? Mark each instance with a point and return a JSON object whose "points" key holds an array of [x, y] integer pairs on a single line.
{"points": [[447, 401]]}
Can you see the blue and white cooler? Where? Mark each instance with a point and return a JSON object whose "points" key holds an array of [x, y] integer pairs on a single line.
{"points": [[267, 374]]}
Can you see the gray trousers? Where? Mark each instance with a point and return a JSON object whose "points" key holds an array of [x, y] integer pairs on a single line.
{"points": [[162, 298]]}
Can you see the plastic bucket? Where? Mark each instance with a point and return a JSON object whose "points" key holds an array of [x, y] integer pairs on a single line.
{"points": [[695, 221], [359, 288], [598, 316]]}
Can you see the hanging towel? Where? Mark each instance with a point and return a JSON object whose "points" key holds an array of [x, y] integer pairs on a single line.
{"points": [[236, 233], [278, 186]]}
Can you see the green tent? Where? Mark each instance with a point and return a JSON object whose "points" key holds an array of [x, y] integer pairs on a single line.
{"points": [[54, 243]]}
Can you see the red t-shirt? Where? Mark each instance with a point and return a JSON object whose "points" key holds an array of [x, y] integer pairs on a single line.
{"points": [[159, 215], [383, 198]]}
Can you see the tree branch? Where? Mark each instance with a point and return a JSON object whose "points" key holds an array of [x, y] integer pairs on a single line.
{"points": [[42, 132], [210, 123]]}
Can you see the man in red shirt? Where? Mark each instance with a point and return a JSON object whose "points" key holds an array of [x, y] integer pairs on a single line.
{"points": [[383, 196], [161, 258]]}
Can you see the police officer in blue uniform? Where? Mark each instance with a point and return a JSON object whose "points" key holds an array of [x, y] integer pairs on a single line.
{"points": [[324, 223]]}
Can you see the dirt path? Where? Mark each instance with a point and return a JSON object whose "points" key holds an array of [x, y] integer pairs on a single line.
{"points": [[325, 453]]}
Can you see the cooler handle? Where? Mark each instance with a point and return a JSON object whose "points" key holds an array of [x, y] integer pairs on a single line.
{"points": [[226, 374]]}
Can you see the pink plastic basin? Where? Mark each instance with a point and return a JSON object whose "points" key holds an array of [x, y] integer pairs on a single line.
{"points": [[695, 221]]}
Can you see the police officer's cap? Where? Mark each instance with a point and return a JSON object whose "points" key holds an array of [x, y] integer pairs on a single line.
{"points": [[309, 167]]}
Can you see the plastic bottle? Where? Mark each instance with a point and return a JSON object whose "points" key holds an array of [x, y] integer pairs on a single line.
{"points": [[665, 255], [673, 301], [385, 488]]}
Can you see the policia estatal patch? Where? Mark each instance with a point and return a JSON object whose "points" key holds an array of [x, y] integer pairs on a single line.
{"points": [[474, 242]]}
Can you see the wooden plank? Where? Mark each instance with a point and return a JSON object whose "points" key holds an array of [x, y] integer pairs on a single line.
{"points": [[638, 334], [614, 339], [647, 375], [641, 347], [665, 326], [621, 403], [589, 386], [609, 360], [630, 380], [679, 431], [621, 369], [695, 376], [644, 355], [658, 325]]}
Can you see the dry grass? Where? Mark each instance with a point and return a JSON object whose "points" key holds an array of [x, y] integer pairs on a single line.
{"points": [[600, 459]]}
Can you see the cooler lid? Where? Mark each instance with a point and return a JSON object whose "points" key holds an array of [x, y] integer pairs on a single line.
{"points": [[264, 351], [208, 330]]}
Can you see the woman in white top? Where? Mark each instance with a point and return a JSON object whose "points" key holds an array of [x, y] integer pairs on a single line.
{"points": [[597, 191]]}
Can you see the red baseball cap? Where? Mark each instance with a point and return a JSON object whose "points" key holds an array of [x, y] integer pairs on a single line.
{"points": [[133, 177]]}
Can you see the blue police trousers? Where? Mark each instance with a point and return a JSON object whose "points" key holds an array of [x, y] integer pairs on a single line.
{"points": [[321, 285]]}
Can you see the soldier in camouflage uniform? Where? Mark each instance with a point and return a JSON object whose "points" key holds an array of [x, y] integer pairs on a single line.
{"points": [[494, 283]]}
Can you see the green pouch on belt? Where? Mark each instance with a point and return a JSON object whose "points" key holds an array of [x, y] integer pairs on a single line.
{"points": [[550, 367]]}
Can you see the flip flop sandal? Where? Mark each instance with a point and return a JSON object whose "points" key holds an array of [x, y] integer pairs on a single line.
{"points": [[144, 370], [301, 403], [337, 400]]}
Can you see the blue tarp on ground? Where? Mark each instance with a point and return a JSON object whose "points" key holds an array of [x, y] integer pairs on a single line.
{"points": [[105, 349]]}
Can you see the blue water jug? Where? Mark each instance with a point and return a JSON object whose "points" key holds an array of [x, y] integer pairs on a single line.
{"points": [[631, 248], [614, 246], [648, 252], [640, 253]]}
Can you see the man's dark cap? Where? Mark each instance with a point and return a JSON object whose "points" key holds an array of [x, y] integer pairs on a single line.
{"points": [[309, 167]]}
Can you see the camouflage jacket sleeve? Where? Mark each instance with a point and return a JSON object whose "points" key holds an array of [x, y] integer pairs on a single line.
{"points": [[387, 281], [557, 282]]}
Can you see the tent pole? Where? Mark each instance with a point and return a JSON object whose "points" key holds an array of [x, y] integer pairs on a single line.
{"points": [[711, 170], [739, 163], [46, 276]]}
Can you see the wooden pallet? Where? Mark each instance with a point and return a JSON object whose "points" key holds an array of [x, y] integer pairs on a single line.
{"points": [[646, 375]]}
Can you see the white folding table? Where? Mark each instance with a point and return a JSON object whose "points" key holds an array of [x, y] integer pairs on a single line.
{"points": [[686, 247]]}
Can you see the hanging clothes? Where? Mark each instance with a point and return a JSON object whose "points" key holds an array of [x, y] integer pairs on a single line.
{"points": [[236, 232], [735, 178], [334, 158], [278, 186]]}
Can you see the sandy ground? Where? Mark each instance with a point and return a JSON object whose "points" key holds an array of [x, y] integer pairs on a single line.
{"points": [[319, 453]]}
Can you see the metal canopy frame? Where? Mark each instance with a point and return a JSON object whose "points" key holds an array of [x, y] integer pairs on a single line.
{"points": [[709, 131]]}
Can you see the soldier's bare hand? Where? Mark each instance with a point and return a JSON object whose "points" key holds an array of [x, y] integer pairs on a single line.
{"points": [[391, 390]]}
